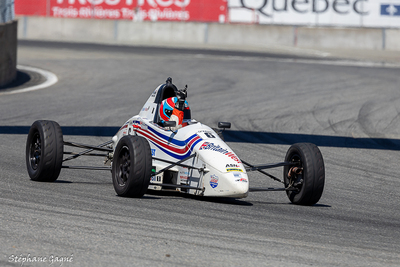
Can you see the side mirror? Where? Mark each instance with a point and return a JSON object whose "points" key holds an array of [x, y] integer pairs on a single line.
{"points": [[169, 124], [224, 125]]}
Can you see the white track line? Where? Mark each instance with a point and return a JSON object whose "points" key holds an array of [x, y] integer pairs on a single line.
{"points": [[50, 77]]}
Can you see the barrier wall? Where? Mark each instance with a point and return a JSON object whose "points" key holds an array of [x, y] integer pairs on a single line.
{"points": [[317, 13], [169, 33], [8, 52]]}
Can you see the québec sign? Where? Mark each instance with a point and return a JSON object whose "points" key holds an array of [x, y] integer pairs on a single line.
{"points": [[358, 13]]}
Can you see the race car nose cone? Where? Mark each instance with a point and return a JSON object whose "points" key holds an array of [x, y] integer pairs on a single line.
{"points": [[241, 187], [239, 184]]}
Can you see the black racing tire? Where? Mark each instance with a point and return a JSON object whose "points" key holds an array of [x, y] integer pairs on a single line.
{"points": [[131, 167], [310, 182], [44, 151]]}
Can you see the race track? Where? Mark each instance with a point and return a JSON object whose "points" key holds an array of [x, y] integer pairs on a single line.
{"points": [[350, 112]]}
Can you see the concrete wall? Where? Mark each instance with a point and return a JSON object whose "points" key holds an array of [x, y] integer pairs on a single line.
{"points": [[392, 39], [360, 38], [189, 34], [8, 52]]}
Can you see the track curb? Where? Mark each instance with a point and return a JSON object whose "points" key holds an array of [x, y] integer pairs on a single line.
{"points": [[50, 79]]}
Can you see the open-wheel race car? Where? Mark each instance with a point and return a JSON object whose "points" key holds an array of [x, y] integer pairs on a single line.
{"points": [[147, 154]]}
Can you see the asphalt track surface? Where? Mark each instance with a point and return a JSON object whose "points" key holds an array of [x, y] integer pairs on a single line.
{"points": [[350, 112]]}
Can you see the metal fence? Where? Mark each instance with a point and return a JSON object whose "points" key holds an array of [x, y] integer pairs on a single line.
{"points": [[6, 10]]}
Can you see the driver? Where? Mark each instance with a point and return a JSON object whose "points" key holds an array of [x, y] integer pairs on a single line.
{"points": [[172, 109]]}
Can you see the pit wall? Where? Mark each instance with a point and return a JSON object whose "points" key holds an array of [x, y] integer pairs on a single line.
{"points": [[129, 32], [8, 52]]}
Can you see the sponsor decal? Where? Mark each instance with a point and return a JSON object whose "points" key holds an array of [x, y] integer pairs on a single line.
{"points": [[232, 166], [219, 149], [155, 179], [390, 10], [183, 177], [234, 170], [153, 152], [214, 181], [239, 178], [184, 174]]}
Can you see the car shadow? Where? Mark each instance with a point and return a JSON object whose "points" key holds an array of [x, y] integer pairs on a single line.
{"points": [[319, 140], [242, 137], [221, 200], [100, 131]]}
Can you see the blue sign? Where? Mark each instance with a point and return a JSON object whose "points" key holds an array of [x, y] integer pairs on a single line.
{"points": [[390, 10]]}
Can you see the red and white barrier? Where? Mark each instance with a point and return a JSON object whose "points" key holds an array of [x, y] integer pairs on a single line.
{"points": [[153, 10]]}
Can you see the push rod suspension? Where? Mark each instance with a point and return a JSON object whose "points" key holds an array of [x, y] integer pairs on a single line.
{"points": [[87, 168], [87, 154], [90, 149], [269, 166], [263, 172]]}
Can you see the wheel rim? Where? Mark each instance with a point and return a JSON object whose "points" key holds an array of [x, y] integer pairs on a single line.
{"points": [[123, 166], [297, 179], [35, 151]]}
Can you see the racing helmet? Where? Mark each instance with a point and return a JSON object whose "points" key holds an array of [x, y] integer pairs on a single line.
{"points": [[167, 106]]}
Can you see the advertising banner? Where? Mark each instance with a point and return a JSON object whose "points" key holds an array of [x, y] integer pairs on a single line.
{"points": [[154, 10], [354, 13], [348, 13]]}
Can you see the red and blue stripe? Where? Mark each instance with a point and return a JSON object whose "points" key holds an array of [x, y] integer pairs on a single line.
{"points": [[178, 149]]}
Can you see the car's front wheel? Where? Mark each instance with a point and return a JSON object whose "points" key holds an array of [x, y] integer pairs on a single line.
{"points": [[131, 167], [307, 176], [44, 151]]}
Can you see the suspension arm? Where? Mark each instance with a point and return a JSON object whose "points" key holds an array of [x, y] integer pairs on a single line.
{"points": [[263, 172], [90, 148]]}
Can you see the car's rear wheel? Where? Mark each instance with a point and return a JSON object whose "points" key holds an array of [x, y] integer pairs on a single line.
{"points": [[131, 168], [307, 176], [44, 151]]}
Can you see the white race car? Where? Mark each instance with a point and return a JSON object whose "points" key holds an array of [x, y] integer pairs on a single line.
{"points": [[146, 155]]}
